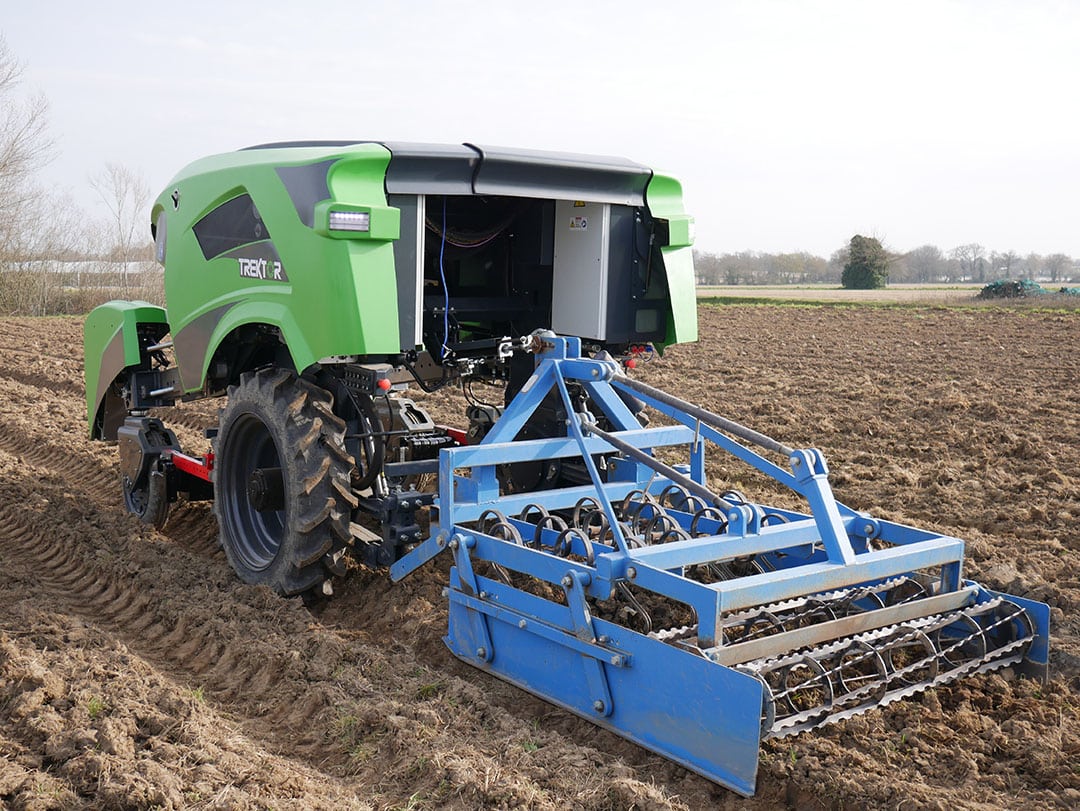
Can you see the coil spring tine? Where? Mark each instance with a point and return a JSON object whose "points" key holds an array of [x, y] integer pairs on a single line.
{"points": [[599, 520], [580, 506], [506, 531], [665, 497], [710, 513], [493, 515], [633, 540], [563, 544], [631, 510], [548, 521], [636, 497], [607, 535], [687, 502], [624, 506], [676, 534], [527, 513], [693, 504], [661, 525]]}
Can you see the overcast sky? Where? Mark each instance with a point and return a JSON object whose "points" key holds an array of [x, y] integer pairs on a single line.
{"points": [[792, 125]]}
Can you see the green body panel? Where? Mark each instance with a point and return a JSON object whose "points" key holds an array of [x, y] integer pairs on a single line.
{"points": [[328, 292], [111, 344], [339, 297], [664, 198]]}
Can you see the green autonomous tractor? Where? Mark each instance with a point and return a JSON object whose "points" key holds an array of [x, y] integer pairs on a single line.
{"points": [[311, 284]]}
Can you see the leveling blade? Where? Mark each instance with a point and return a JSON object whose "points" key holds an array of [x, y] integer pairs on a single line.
{"points": [[700, 715]]}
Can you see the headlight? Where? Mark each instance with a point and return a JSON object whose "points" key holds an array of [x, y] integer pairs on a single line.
{"points": [[350, 221], [341, 220]]}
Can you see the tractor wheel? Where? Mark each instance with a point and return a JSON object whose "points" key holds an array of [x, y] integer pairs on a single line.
{"points": [[281, 483], [149, 504]]}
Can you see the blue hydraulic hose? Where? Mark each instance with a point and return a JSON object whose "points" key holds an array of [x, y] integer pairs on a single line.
{"points": [[446, 290]]}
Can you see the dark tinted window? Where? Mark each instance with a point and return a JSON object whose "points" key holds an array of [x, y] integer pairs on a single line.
{"points": [[229, 226]]}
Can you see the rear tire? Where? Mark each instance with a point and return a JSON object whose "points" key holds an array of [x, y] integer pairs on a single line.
{"points": [[281, 482]]}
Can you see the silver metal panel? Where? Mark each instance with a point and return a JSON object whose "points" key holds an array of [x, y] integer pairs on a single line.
{"points": [[421, 235], [580, 287]]}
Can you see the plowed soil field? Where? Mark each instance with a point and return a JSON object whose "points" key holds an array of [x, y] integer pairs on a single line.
{"points": [[137, 672]]}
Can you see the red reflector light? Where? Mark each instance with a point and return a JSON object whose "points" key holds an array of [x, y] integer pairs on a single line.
{"points": [[384, 384]]}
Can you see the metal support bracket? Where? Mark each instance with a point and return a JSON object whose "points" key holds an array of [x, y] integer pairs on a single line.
{"points": [[581, 618], [461, 546]]}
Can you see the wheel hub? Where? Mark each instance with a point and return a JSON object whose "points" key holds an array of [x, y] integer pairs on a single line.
{"points": [[266, 489]]}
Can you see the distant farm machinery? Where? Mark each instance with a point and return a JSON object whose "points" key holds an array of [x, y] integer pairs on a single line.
{"points": [[593, 564]]}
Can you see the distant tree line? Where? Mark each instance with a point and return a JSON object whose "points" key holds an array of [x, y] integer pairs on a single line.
{"points": [[927, 264], [753, 267]]}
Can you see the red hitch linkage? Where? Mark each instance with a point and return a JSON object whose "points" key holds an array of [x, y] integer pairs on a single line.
{"points": [[199, 467]]}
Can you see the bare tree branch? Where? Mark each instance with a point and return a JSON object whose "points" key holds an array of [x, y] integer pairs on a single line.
{"points": [[25, 146]]}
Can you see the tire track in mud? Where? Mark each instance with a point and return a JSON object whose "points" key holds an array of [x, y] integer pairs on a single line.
{"points": [[128, 606], [33, 379], [59, 460], [192, 526], [279, 679], [240, 670], [193, 420], [189, 526], [21, 349]]}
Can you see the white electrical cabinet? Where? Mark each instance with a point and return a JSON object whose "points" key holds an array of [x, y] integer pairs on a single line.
{"points": [[579, 302]]}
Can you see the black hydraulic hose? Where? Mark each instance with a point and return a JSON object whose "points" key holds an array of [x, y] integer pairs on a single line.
{"points": [[442, 382], [699, 490], [707, 417]]}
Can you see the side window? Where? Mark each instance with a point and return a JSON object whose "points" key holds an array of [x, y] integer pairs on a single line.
{"points": [[230, 225], [160, 234]]}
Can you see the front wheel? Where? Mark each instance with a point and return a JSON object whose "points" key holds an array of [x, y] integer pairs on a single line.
{"points": [[281, 482]]}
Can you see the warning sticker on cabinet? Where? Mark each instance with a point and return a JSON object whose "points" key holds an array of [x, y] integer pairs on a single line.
{"points": [[579, 223]]}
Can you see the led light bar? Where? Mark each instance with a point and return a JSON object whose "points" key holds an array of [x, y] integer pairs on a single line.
{"points": [[350, 221]]}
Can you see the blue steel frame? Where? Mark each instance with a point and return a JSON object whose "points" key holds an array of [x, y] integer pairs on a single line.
{"points": [[694, 711]]}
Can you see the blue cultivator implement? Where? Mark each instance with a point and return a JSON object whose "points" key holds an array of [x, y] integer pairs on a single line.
{"points": [[692, 622]]}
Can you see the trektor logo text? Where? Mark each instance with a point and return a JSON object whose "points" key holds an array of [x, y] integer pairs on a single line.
{"points": [[263, 269]]}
